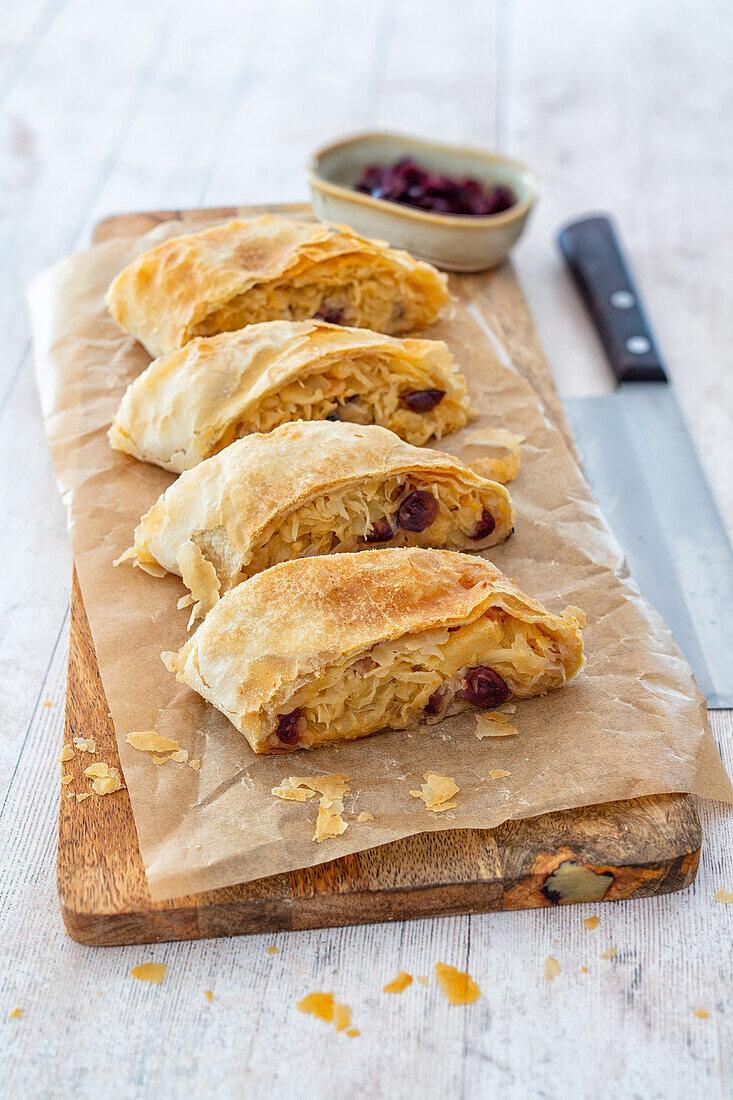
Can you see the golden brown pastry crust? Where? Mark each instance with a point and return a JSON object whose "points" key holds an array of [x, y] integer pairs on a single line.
{"points": [[209, 523], [165, 296], [291, 622], [188, 405]]}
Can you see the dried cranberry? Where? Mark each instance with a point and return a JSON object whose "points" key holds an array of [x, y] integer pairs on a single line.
{"points": [[333, 315], [501, 198], [484, 527], [417, 511], [484, 687], [435, 702], [406, 182], [422, 401], [287, 728], [380, 532]]}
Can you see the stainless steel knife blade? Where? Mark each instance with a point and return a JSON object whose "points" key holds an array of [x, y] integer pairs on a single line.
{"points": [[644, 472]]}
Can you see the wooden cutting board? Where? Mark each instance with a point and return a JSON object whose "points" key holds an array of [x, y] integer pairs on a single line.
{"points": [[601, 853]]}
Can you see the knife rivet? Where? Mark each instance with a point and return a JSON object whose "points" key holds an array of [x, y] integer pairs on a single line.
{"points": [[638, 345], [623, 299]]}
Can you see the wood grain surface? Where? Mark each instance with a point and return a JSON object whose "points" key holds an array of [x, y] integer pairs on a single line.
{"points": [[604, 853]]}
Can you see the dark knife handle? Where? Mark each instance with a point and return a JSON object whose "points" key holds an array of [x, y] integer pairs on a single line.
{"points": [[597, 263]]}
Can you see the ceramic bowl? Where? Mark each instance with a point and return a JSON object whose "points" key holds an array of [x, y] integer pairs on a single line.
{"points": [[454, 242]]}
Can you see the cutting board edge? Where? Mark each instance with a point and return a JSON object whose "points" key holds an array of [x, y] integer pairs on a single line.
{"points": [[230, 918]]}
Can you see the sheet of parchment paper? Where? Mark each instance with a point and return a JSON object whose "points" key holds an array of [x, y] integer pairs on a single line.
{"points": [[633, 723]]}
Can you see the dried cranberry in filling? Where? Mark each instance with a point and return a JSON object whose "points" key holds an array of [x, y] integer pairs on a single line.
{"points": [[484, 687], [484, 527], [380, 532], [435, 702], [417, 511], [333, 315], [287, 728], [422, 401]]}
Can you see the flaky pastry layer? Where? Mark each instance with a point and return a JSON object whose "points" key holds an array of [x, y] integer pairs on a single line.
{"points": [[269, 268], [188, 406], [307, 489], [339, 647]]}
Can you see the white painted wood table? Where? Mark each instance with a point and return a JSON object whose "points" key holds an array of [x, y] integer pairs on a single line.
{"points": [[139, 104]]}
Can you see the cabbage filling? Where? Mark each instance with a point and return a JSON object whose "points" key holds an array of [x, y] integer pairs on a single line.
{"points": [[358, 516], [423, 676], [362, 299], [368, 390]]}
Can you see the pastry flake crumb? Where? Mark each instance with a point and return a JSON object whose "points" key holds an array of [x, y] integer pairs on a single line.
{"points": [[365, 817], [423, 979], [48, 703], [81, 797], [436, 792], [323, 1006], [85, 744], [495, 724], [67, 753], [353, 1032], [273, 950], [584, 969], [209, 995], [108, 784], [150, 741], [591, 923], [702, 1013], [294, 789], [329, 822], [498, 773], [610, 954], [16, 1014], [180, 756], [95, 771], [499, 436], [331, 788], [504, 467], [107, 779], [318, 1004], [66, 779], [399, 983], [552, 968], [149, 972], [458, 986], [726, 896]]}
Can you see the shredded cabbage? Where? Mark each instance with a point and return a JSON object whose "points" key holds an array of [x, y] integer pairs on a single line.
{"points": [[374, 382], [384, 304], [388, 687], [338, 522]]}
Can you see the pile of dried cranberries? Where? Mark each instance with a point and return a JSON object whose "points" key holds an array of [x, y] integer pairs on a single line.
{"points": [[408, 183]]}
